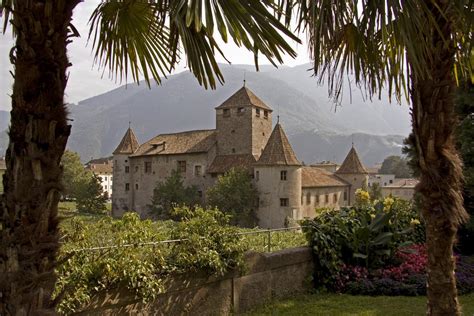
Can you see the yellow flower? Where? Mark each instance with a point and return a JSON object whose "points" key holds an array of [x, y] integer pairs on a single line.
{"points": [[414, 222], [387, 204], [372, 216]]}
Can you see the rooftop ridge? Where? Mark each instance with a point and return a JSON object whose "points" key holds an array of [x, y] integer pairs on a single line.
{"points": [[352, 164], [241, 97], [278, 150], [129, 143]]}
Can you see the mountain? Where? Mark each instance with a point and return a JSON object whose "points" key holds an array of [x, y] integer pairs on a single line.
{"points": [[317, 131]]}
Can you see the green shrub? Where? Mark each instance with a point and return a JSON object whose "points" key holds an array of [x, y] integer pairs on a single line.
{"points": [[367, 234]]}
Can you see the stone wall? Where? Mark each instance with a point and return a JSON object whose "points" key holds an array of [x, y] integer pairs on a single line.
{"points": [[267, 276]]}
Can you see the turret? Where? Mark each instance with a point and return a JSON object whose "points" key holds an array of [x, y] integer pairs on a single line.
{"points": [[243, 123], [122, 188], [277, 176], [353, 172]]}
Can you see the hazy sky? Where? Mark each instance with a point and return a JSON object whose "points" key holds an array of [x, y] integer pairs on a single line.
{"points": [[86, 80]]}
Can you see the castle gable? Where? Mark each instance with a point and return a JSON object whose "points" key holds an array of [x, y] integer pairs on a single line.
{"points": [[189, 142], [278, 150], [352, 164], [243, 97]]}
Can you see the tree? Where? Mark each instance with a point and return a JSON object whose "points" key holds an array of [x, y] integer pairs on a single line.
{"points": [[235, 195], [375, 191], [396, 165], [416, 49], [171, 193], [90, 197], [137, 37], [73, 173]]}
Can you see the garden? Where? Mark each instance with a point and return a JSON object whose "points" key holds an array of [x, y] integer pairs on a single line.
{"points": [[375, 248]]}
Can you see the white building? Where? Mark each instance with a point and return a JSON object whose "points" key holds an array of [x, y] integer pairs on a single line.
{"points": [[103, 168]]}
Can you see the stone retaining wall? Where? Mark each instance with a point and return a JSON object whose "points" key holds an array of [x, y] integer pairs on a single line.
{"points": [[267, 276]]}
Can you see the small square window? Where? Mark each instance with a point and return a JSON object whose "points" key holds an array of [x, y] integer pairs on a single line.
{"points": [[226, 112], [197, 170], [147, 166], [136, 186], [257, 112], [284, 202], [283, 175], [182, 166], [105, 178], [127, 186], [127, 169], [240, 111]]}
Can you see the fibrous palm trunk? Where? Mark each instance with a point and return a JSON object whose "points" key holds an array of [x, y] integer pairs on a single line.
{"points": [[440, 185], [38, 136]]}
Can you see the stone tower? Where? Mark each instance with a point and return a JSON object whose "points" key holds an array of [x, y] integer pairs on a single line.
{"points": [[243, 123], [122, 188], [353, 172], [277, 175]]}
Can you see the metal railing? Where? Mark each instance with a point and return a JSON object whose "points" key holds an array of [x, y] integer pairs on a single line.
{"points": [[266, 232]]}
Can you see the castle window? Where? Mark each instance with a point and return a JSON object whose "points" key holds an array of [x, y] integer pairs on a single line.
{"points": [[257, 112], [147, 166], [136, 186], [226, 112], [326, 198], [105, 178], [136, 168], [232, 131], [240, 111], [127, 186], [263, 134], [127, 169], [335, 197], [283, 175], [265, 115], [105, 187], [345, 195], [284, 202], [317, 198], [390, 181], [308, 198], [257, 175], [233, 150], [182, 166], [197, 170], [126, 160]]}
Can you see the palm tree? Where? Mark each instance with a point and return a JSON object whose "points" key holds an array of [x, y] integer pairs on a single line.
{"points": [[141, 37], [416, 49]]}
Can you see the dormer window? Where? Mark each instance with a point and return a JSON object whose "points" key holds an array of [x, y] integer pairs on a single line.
{"points": [[257, 112], [226, 112]]}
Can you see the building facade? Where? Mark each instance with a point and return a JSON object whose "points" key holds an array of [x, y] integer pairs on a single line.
{"points": [[103, 169], [243, 138]]}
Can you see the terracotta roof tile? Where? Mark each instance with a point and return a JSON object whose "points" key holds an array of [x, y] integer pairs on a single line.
{"points": [[315, 177], [178, 143], [101, 168], [224, 163], [278, 150], [129, 143], [243, 97], [408, 183], [352, 164]]}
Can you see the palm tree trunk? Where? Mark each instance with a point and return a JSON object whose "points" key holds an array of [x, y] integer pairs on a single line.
{"points": [[440, 185], [38, 136]]}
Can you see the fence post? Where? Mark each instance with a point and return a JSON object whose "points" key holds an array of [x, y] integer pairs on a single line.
{"points": [[269, 241]]}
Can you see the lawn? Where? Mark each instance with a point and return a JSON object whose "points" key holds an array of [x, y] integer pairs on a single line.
{"points": [[345, 305]]}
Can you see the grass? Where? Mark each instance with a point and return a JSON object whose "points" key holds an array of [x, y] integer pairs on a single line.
{"points": [[345, 305]]}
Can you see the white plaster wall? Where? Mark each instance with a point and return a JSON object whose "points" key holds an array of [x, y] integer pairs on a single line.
{"points": [[308, 206], [271, 189], [356, 181]]}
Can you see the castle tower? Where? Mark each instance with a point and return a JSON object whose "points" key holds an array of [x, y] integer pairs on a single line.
{"points": [[277, 175], [122, 188], [354, 173], [243, 123]]}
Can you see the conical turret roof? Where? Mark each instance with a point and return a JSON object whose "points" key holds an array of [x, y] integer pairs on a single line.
{"points": [[352, 164], [129, 143], [278, 150], [243, 97]]}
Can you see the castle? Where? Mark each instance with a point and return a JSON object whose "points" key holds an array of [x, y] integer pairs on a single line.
{"points": [[243, 138]]}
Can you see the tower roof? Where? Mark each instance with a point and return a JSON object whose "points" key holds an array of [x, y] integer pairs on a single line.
{"points": [[278, 150], [243, 97], [352, 164], [128, 144]]}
